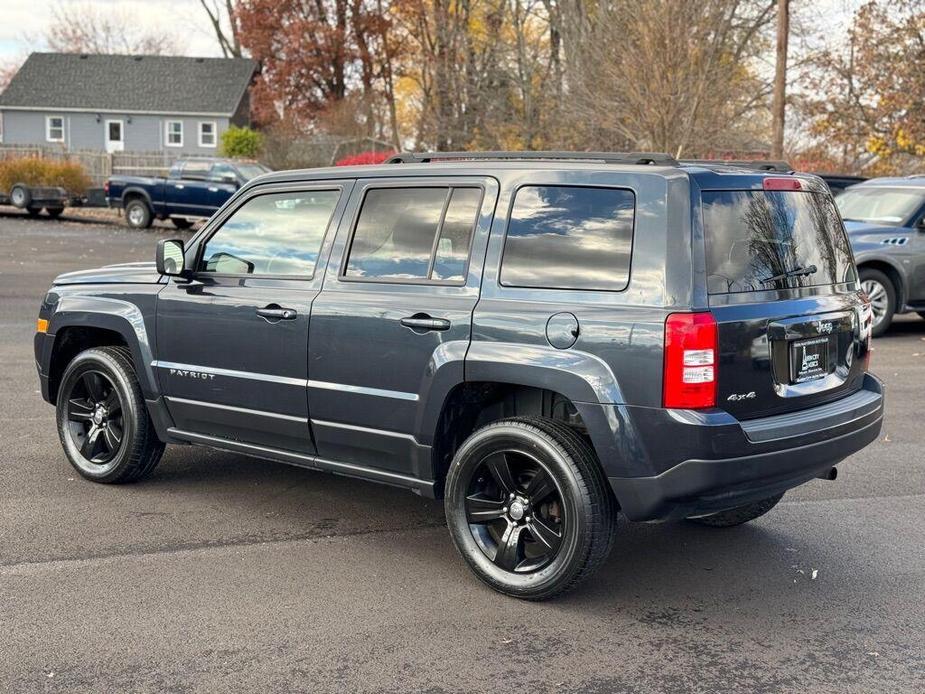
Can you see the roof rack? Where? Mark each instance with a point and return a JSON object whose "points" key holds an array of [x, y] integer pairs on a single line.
{"points": [[650, 158], [759, 164]]}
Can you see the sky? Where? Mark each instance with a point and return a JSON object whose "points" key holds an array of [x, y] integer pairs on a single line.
{"points": [[24, 22]]}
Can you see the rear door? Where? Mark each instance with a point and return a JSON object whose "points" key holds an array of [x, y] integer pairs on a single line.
{"points": [[232, 345], [783, 289], [396, 306]]}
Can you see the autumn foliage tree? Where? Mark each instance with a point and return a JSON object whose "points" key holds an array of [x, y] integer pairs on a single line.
{"points": [[869, 105]]}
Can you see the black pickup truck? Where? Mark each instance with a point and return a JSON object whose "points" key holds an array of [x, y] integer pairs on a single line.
{"points": [[194, 189]]}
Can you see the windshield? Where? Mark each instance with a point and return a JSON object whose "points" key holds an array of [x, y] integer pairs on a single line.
{"points": [[877, 205], [249, 171], [759, 240]]}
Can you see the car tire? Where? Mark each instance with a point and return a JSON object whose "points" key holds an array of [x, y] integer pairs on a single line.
{"points": [[528, 507], [54, 212], [739, 515], [882, 295], [20, 196], [138, 214], [103, 423], [181, 223], [34, 211], [921, 314]]}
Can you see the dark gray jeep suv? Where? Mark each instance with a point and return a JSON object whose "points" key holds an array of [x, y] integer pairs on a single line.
{"points": [[540, 339]]}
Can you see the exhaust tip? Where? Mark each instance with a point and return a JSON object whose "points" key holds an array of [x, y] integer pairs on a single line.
{"points": [[831, 474]]}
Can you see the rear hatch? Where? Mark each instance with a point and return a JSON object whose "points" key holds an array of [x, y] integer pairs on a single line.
{"points": [[793, 328]]}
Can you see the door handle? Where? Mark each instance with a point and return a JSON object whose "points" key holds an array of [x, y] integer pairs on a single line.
{"points": [[213, 189], [178, 186], [423, 323], [275, 313]]}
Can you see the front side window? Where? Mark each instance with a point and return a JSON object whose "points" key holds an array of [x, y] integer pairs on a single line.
{"points": [[196, 170], [54, 129], [569, 237], [174, 133], [272, 234], [207, 134], [414, 234], [222, 172]]}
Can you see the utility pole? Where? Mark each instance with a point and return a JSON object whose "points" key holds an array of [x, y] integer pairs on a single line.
{"points": [[780, 78]]}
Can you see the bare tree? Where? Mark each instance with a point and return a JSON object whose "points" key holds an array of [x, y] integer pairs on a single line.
{"points": [[780, 78], [225, 25], [82, 28]]}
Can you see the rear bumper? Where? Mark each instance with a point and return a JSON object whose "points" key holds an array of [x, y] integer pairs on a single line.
{"points": [[764, 457]]}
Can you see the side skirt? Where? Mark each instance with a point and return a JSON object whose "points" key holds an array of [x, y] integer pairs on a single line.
{"points": [[421, 487]]}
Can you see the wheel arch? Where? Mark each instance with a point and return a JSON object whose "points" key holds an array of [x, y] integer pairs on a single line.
{"points": [[82, 322], [895, 275]]}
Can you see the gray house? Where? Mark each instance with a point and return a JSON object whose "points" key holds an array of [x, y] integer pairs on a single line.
{"points": [[125, 103]]}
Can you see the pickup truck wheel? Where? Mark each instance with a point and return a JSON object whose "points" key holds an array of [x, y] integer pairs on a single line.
{"points": [[54, 212], [20, 196], [742, 514], [181, 223], [102, 421], [528, 507], [882, 296], [34, 211], [138, 214]]}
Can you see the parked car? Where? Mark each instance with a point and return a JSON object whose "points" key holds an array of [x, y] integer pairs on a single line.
{"points": [[193, 190], [540, 339], [885, 219], [837, 183]]}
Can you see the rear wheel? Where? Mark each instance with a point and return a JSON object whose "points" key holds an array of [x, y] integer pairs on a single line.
{"points": [[138, 214], [740, 515], [34, 211], [102, 421], [528, 507], [54, 212], [879, 288]]}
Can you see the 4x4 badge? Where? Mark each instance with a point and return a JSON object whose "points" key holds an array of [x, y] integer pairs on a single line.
{"points": [[750, 395]]}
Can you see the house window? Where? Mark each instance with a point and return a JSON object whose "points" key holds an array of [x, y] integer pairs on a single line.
{"points": [[207, 133], [174, 133], [54, 129]]}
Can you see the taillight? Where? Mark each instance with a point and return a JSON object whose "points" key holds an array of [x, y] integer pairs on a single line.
{"points": [[867, 327], [691, 346], [106, 188]]}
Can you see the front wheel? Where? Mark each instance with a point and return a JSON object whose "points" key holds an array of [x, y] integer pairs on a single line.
{"points": [[54, 212], [528, 507], [882, 295], [181, 222], [102, 420]]}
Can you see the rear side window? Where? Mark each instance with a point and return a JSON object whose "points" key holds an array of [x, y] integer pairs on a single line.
{"points": [[196, 170], [569, 237], [762, 240], [414, 234], [272, 234]]}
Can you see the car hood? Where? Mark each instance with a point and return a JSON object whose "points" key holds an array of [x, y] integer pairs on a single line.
{"points": [[124, 273]]}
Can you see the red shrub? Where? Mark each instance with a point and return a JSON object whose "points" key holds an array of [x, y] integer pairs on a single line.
{"points": [[364, 158]]}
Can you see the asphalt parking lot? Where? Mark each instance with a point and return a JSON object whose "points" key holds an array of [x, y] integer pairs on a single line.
{"points": [[224, 573]]}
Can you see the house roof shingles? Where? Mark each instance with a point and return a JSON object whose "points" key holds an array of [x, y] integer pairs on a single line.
{"points": [[157, 84]]}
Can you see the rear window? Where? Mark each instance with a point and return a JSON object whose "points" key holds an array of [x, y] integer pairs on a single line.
{"points": [[761, 240], [569, 237]]}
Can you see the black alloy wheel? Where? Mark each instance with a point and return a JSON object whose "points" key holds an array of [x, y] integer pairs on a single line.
{"points": [[103, 421], [528, 507], [94, 418], [515, 511]]}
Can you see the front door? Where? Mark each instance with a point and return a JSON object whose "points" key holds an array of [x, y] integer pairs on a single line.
{"points": [[189, 195], [396, 306], [232, 344], [115, 136]]}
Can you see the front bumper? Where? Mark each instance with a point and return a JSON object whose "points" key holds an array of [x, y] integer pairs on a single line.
{"points": [[768, 456]]}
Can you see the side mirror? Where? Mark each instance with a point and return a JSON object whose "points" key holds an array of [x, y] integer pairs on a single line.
{"points": [[921, 224], [230, 179], [169, 258]]}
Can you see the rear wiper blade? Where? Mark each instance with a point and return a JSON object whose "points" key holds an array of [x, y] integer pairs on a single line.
{"points": [[796, 272]]}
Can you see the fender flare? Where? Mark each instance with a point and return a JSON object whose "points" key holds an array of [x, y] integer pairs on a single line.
{"points": [[119, 316], [136, 190], [862, 258], [579, 376]]}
